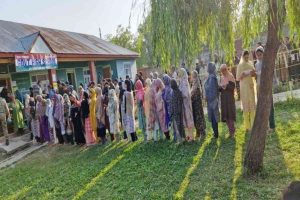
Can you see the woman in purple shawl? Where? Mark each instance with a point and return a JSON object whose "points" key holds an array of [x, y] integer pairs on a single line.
{"points": [[58, 114], [43, 119], [167, 96]]}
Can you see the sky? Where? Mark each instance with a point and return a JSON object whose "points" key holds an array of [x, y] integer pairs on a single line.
{"points": [[83, 16]]}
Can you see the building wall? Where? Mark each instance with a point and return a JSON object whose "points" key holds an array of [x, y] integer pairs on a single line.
{"points": [[100, 65], [122, 64]]}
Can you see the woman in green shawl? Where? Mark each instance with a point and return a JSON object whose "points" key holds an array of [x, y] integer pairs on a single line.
{"points": [[17, 112]]}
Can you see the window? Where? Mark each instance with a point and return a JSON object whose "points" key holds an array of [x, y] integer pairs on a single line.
{"points": [[127, 69], [86, 76]]}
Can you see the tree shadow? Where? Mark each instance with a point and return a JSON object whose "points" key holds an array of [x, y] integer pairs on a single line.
{"points": [[281, 161]]}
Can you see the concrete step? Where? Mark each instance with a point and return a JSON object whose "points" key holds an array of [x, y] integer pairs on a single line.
{"points": [[16, 144], [20, 155]]}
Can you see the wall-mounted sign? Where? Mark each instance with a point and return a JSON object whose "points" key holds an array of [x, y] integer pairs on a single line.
{"points": [[31, 62]]}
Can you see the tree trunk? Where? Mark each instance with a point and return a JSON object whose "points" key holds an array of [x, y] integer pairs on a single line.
{"points": [[256, 145]]}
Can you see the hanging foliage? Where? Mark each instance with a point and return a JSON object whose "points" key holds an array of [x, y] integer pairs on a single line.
{"points": [[181, 28]]}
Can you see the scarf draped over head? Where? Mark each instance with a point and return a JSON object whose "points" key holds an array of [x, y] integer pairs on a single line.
{"points": [[148, 83], [59, 107], [211, 68], [155, 75], [184, 86], [159, 84], [66, 99], [93, 94], [227, 76], [196, 80], [167, 92], [140, 93]]}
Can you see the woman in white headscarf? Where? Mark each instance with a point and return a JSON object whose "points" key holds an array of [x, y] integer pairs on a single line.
{"points": [[184, 87]]}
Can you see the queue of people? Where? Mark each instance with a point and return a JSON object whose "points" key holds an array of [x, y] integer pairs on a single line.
{"points": [[166, 107]]}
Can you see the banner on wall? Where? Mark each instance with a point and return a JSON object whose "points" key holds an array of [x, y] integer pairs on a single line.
{"points": [[32, 62]]}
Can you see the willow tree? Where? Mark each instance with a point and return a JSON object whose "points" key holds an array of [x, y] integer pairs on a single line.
{"points": [[180, 27]]}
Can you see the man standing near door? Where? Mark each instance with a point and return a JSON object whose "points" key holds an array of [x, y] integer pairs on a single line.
{"points": [[4, 113]]}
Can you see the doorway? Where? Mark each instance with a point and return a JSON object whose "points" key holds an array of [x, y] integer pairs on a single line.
{"points": [[71, 78], [106, 72]]}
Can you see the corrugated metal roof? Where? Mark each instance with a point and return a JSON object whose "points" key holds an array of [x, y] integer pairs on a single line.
{"points": [[17, 37]]}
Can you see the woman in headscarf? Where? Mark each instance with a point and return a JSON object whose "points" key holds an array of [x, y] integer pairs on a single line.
{"points": [[59, 119], [160, 110], [227, 86], [140, 96], [49, 114], [67, 117], [100, 115], [17, 109], [43, 119], [196, 96], [105, 104], [85, 114], [184, 87], [27, 110], [167, 95], [35, 124], [148, 109], [176, 112], [121, 108], [212, 98], [113, 114], [245, 75], [128, 102], [76, 120], [93, 100]]}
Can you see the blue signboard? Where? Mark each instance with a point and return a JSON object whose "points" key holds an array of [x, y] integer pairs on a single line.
{"points": [[31, 62]]}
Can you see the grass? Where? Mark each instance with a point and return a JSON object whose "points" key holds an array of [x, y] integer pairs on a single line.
{"points": [[209, 169]]}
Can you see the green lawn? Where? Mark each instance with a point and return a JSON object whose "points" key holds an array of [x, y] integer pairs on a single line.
{"points": [[210, 169]]}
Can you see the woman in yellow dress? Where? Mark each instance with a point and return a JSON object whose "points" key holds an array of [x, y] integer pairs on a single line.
{"points": [[245, 75], [93, 100]]}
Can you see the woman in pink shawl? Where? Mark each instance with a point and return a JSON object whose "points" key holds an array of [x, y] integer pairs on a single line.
{"points": [[184, 87], [160, 108], [58, 114], [140, 94], [149, 112]]}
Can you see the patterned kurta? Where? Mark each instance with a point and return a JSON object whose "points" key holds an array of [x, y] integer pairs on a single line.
{"points": [[113, 112], [167, 96], [198, 114], [129, 112], [184, 87], [160, 106], [18, 119], [176, 112]]}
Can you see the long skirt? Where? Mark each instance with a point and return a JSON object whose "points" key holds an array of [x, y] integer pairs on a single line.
{"points": [[129, 124], [141, 116], [89, 133], [35, 128], [78, 131], [45, 128]]}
